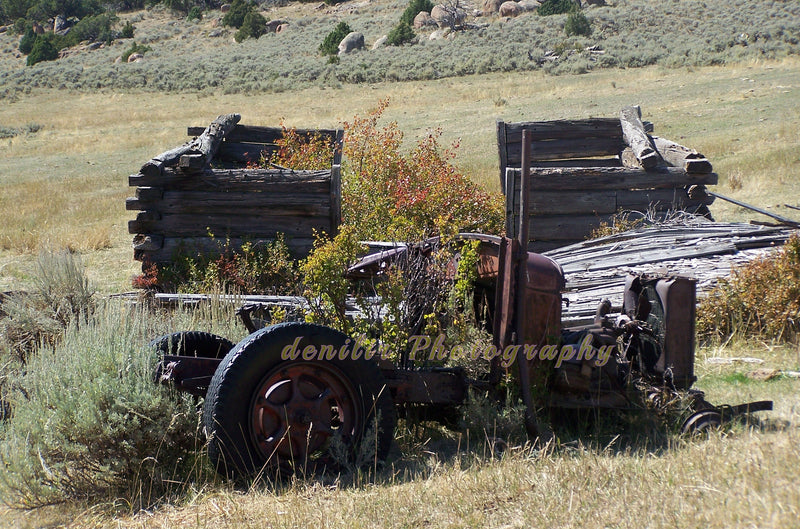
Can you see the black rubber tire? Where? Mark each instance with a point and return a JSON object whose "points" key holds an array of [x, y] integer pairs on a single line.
{"points": [[192, 343], [233, 400]]}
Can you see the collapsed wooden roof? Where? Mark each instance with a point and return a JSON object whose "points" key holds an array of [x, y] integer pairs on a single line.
{"points": [[684, 245]]}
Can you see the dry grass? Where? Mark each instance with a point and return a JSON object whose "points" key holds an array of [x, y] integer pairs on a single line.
{"points": [[66, 184]]}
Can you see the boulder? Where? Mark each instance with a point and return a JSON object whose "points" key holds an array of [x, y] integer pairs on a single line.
{"points": [[353, 41], [490, 7], [283, 27], [225, 8], [528, 5], [587, 3], [447, 16], [440, 34], [380, 42], [423, 19], [509, 9], [135, 57], [37, 29], [60, 24], [272, 25]]}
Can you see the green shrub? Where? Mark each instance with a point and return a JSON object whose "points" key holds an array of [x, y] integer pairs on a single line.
{"points": [[401, 34], [760, 299], [135, 48], [253, 26], [43, 50], [330, 45], [266, 268], [89, 424], [557, 7], [127, 30], [414, 8], [181, 6], [577, 24], [235, 16], [97, 28], [27, 41], [324, 277], [15, 10], [388, 193], [195, 13]]}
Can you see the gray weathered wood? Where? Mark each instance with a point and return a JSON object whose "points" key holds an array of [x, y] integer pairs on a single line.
{"points": [[679, 156], [235, 180], [206, 145], [596, 269], [148, 242], [635, 136], [253, 224], [584, 178]]}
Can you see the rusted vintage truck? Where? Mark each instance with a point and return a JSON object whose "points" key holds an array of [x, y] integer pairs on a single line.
{"points": [[298, 397]]}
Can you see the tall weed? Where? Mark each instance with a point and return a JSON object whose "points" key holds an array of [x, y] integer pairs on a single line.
{"points": [[88, 423], [760, 299]]}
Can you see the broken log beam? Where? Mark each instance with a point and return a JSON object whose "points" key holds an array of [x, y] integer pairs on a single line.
{"points": [[633, 133], [205, 145], [677, 155]]}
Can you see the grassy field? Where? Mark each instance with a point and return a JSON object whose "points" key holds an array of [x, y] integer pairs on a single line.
{"points": [[65, 186]]}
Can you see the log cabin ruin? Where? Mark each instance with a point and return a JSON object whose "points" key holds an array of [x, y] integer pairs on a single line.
{"points": [[583, 173], [206, 193]]}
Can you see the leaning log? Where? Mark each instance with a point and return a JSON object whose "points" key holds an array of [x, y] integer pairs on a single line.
{"points": [[633, 133], [195, 154], [679, 156]]}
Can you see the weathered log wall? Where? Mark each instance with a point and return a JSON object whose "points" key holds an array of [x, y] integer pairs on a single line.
{"points": [[190, 210], [579, 180]]}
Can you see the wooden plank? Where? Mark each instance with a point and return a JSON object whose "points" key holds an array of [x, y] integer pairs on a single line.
{"points": [[501, 149], [335, 206], [597, 178], [572, 202], [561, 149], [675, 198], [273, 180], [634, 135], [580, 162], [564, 227], [149, 194], [243, 153], [563, 129], [222, 226], [233, 203]]}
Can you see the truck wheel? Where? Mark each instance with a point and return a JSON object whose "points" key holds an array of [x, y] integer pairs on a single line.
{"points": [[701, 422], [264, 413], [192, 343]]}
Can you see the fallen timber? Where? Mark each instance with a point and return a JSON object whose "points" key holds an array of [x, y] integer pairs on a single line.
{"points": [[686, 246]]}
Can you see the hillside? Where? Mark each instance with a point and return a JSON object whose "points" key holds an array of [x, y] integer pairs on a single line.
{"points": [[190, 56]]}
